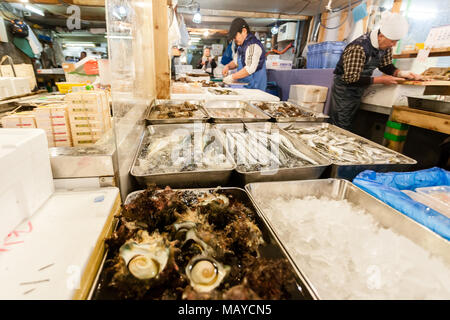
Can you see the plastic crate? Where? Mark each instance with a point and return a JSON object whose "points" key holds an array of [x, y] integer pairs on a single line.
{"points": [[325, 54], [65, 87]]}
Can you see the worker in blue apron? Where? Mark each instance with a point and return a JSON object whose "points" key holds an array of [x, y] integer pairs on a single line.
{"points": [[353, 72], [250, 59]]}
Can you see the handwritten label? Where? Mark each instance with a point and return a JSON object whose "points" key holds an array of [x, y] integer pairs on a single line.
{"points": [[14, 237]]}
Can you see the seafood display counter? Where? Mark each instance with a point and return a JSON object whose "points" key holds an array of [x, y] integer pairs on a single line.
{"points": [[347, 244], [183, 155], [349, 153], [194, 244], [262, 152]]}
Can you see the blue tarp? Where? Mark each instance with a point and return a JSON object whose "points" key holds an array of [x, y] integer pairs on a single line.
{"points": [[387, 186]]}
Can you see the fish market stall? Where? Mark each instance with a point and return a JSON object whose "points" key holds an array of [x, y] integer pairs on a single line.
{"points": [[233, 111], [349, 245], [215, 246], [288, 112], [262, 152], [182, 155], [349, 153]]}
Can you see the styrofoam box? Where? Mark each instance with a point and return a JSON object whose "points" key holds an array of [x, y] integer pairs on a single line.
{"points": [[388, 96], [6, 88], [20, 86], [25, 175], [308, 93], [313, 106], [279, 64]]}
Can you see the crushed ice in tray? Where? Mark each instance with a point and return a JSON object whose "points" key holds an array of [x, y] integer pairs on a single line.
{"points": [[346, 254]]}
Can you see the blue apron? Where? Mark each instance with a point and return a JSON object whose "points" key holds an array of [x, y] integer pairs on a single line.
{"points": [[257, 80]]}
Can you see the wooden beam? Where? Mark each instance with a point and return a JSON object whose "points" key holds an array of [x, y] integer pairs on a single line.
{"points": [[396, 6], [161, 47], [322, 30], [247, 14], [342, 28], [439, 122]]}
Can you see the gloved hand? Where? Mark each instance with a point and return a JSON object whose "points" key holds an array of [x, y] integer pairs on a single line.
{"points": [[228, 79], [409, 75]]}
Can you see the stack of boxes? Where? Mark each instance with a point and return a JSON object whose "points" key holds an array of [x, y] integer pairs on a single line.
{"points": [[23, 120], [55, 121], [89, 116], [81, 120], [308, 96]]}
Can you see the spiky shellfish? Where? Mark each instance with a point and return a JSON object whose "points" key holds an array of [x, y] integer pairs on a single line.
{"points": [[205, 273], [145, 258]]}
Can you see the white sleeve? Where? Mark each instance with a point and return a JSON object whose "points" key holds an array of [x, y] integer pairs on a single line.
{"points": [[252, 55], [235, 58]]}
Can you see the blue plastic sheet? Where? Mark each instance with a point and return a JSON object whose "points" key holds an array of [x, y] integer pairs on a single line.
{"points": [[387, 186]]}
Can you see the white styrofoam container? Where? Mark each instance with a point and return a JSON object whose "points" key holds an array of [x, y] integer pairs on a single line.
{"points": [[20, 86], [6, 88], [313, 106], [25, 175], [65, 231], [308, 93], [388, 96], [279, 64]]}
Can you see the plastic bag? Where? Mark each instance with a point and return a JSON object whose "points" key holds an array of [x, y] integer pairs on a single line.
{"points": [[387, 186]]}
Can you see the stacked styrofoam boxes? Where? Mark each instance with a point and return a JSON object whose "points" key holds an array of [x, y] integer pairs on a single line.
{"points": [[24, 119], [26, 176], [89, 116], [308, 96], [6, 88], [54, 120]]}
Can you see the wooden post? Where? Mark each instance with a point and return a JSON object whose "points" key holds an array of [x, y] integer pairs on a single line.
{"points": [[161, 48], [342, 29], [322, 31]]}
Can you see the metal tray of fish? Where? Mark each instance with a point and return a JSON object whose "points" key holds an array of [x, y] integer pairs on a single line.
{"points": [[347, 170], [222, 92], [262, 194], [182, 155], [224, 111], [176, 111], [236, 277], [279, 111], [288, 158]]}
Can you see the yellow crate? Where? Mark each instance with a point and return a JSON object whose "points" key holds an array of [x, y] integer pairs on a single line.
{"points": [[66, 87]]}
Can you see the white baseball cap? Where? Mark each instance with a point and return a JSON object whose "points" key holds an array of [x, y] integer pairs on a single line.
{"points": [[393, 25]]}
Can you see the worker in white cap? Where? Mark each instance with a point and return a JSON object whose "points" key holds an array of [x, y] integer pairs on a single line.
{"points": [[353, 72]]}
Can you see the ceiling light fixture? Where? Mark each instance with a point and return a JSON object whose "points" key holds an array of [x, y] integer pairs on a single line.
{"points": [[34, 9], [274, 30], [206, 34], [197, 16]]}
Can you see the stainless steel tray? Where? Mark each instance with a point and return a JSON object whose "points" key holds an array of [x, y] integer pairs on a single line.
{"points": [[213, 106], [281, 174], [310, 116], [271, 249], [339, 189], [427, 104], [199, 116], [197, 178], [214, 92], [348, 171]]}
